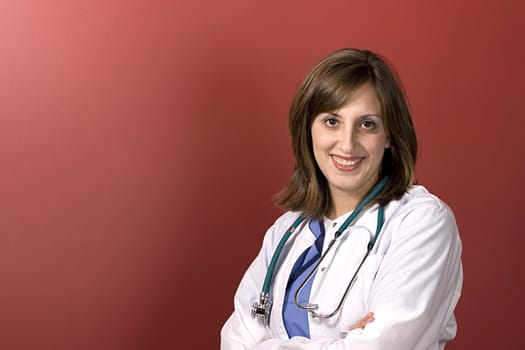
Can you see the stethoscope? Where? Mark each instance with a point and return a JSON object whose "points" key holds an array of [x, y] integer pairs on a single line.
{"points": [[262, 308]]}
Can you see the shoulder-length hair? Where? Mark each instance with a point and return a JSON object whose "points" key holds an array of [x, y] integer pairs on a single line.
{"points": [[328, 87]]}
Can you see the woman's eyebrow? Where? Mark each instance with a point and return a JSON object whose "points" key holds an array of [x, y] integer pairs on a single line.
{"points": [[371, 115], [366, 115]]}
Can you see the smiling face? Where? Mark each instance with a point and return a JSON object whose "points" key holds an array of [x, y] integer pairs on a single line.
{"points": [[348, 146]]}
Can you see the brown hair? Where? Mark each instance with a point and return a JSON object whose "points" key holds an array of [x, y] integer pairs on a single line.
{"points": [[328, 87]]}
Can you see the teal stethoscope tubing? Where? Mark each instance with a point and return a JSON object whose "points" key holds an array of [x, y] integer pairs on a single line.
{"points": [[264, 299], [312, 307]]}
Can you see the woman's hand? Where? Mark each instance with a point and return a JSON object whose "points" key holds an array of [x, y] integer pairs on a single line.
{"points": [[369, 317]]}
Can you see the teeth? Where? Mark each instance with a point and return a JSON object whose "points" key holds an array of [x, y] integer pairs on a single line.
{"points": [[346, 162]]}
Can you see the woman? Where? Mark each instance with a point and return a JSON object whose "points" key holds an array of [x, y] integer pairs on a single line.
{"points": [[374, 261]]}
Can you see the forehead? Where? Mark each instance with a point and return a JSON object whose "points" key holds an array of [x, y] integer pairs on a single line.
{"points": [[363, 100], [334, 97]]}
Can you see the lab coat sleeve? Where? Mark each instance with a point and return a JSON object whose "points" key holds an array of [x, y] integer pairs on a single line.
{"points": [[414, 292], [241, 331]]}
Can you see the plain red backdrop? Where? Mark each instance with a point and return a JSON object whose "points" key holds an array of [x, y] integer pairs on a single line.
{"points": [[141, 143]]}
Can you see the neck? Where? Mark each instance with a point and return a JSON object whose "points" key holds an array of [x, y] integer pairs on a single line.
{"points": [[342, 204]]}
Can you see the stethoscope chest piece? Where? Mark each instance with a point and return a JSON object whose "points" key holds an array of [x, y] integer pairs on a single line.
{"points": [[261, 309]]}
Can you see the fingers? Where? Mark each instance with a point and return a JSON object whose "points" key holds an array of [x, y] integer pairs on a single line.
{"points": [[369, 317]]}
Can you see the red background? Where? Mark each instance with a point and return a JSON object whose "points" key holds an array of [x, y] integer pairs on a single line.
{"points": [[141, 143]]}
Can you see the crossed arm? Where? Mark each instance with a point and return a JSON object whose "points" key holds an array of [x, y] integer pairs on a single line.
{"points": [[412, 299]]}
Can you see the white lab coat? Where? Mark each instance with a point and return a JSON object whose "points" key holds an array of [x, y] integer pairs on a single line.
{"points": [[411, 281]]}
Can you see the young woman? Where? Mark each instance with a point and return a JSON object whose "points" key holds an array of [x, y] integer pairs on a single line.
{"points": [[363, 258]]}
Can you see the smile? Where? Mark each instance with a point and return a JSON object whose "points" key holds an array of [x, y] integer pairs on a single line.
{"points": [[346, 164]]}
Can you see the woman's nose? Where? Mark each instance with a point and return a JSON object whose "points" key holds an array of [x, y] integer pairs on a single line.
{"points": [[347, 140]]}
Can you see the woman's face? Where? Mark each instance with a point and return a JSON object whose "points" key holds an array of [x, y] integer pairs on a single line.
{"points": [[349, 144]]}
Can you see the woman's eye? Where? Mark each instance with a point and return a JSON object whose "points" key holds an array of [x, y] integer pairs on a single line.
{"points": [[331, 122], [368, 124]]}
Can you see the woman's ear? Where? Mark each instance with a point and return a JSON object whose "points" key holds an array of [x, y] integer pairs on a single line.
{"points": [[387, 144]]}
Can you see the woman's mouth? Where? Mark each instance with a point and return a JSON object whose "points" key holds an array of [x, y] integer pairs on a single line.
{"points": [[346, 164]]}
